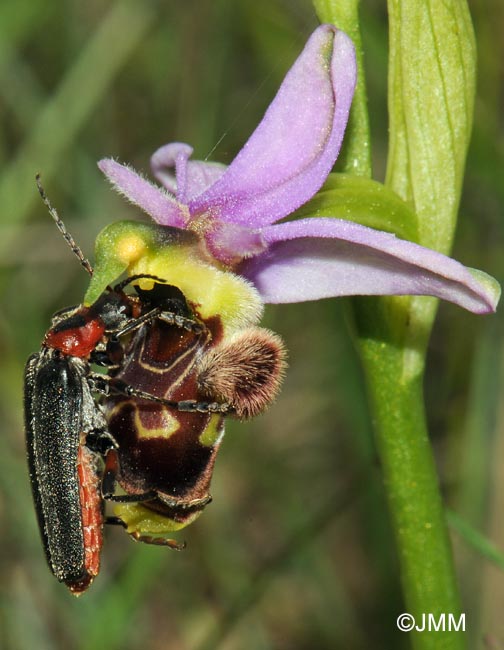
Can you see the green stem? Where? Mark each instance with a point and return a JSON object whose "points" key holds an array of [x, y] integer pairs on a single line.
{"points": [[411, 484], [392, 335]]}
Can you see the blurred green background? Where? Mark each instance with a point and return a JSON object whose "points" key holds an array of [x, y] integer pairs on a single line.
{"points": [[295, 552]]}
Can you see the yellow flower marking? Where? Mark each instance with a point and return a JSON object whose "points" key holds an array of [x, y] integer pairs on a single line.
{"points": [[139, 519], [130, 248]]}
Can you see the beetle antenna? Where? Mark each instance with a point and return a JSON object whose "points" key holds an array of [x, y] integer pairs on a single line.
{"points": [[76, 250]]}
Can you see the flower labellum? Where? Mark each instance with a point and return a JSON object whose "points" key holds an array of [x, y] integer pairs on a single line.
{"points": [[205, 354]]}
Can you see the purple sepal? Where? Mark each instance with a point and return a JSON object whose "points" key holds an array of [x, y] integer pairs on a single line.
{"points": [[185, 178], [293, 149], [322, 257], [158, 203]]}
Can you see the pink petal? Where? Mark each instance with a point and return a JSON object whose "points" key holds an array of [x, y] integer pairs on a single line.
{"points": [[160, 205], [192, 177], [290, 154], [316, 258], [168, 158]]}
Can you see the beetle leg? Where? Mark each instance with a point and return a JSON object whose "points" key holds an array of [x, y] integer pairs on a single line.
{"points": [[100, 441], [158, 541], [133, 278], [110, 385], [193, 406], [168, 317], [181, 322], [197, 504], [108, 355], [136, 323], [103, 359], [114, 521]]}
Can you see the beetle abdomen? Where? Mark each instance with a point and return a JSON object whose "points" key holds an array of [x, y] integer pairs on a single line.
{"points": [[55, 395]]}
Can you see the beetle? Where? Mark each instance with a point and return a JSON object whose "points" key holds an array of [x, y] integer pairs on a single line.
{"points": [[66, 431], [59, 414]]}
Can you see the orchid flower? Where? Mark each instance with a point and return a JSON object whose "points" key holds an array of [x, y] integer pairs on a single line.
{"points": [[236, 209]]}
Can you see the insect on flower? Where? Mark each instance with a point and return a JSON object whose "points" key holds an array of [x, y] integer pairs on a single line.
{"points": [[222, 248], [218, 252], [65, 427]]}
